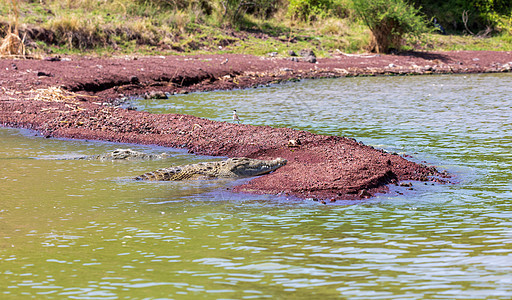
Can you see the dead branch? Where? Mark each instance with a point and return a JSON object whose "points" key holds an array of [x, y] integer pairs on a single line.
{"points": [[465, 19]]}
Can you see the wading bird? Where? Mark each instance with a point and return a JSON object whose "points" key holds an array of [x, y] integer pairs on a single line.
{"points": [[235, 116]]}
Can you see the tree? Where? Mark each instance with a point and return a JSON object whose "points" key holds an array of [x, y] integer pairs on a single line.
{"points": [[390, 21]]}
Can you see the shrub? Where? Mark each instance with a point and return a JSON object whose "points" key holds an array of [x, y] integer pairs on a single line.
{"points": [[308, 10], [479, 14], [389, 21], [495, 14], [234, 10], [177, 4], [312, 10]]}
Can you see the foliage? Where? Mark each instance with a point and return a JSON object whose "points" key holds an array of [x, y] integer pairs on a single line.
{"points": [[305, 10], [492, 14], [313, 10], [234, 10], [177, 4], [481, 15], [389, 21]]}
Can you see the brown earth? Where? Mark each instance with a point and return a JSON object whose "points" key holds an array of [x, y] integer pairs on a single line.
{"points": [[85, 93]]}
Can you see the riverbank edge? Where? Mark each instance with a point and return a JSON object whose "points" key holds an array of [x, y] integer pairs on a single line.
{"points": [[323, 167]]}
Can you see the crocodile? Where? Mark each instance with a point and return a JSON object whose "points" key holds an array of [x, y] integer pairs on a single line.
{"points": [[124, 154], [230, 168]]}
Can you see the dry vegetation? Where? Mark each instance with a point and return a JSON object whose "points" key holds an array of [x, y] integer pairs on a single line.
{"points": [[105, 27], [12, 45]]}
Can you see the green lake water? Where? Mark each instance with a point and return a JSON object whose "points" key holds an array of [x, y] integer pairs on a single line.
{"points": [[80, 229]]}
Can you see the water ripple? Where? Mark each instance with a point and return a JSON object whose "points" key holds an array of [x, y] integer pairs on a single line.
{"points": [[83, 230]]}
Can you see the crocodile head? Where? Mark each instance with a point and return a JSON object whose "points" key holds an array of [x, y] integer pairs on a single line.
{"points": [[245, 167], [123, 154]]}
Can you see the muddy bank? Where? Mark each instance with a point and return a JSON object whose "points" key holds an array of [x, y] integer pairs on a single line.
{"points": [[321, 166], [114, 78]]}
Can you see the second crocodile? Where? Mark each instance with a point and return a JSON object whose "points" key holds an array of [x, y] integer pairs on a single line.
{"points": [[124, 154], [230, 168]]}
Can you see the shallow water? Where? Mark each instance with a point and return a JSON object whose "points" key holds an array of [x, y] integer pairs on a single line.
{"points": [[84, 230]]}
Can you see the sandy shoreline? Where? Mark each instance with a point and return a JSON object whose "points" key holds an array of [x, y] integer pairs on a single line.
{"points": [[325, 167]]}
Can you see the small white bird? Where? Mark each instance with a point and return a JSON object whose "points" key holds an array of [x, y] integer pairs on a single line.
{"points": [[225, 61], [235, 116]]}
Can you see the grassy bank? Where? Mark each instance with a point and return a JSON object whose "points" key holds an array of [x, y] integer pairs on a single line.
{"points": [[164, 27]]}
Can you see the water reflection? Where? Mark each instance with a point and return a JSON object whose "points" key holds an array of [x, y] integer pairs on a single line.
{"points": [[84, 230]]}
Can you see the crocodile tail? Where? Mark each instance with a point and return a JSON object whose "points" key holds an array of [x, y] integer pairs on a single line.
{"points": [[146, 176], [160, 175], [163, 174]]}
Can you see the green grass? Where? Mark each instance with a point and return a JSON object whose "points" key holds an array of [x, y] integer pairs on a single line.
{"points": [[454, 43]]}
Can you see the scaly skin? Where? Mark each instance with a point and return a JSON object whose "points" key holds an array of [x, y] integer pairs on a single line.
{"points": [[124, 154], [230, 168]]}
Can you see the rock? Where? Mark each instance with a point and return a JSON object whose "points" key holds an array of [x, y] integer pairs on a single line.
{"points": [[43, 74], [506, 67], [156, 95], [272, 54], [310, 59], [292, 53], [134, 80], [306, 53]]}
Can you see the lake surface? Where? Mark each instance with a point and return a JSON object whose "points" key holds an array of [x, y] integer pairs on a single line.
{"points": [[82, 229]]}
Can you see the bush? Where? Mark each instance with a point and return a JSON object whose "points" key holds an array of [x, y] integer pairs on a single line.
{"points": [[176, 4], [481, 14], [308, 10], [233, 11], [492, 14], [341, 9], [312, 10], [389, 21]]}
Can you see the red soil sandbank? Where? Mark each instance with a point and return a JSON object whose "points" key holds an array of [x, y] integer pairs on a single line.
{"points": [[320, 167]]}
